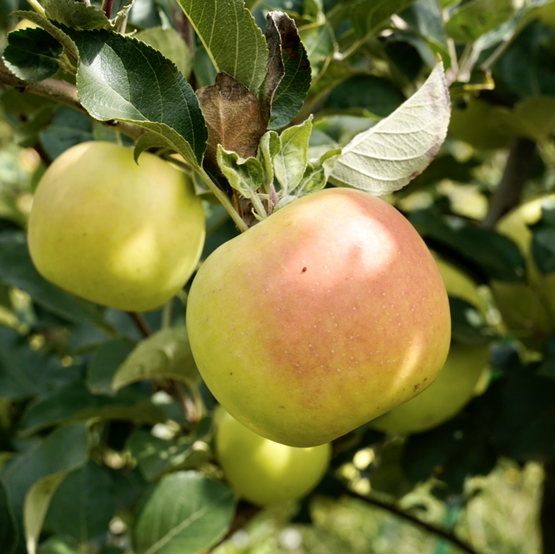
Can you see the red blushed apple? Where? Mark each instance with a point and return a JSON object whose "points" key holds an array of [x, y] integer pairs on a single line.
{"points": [[325, 315]]}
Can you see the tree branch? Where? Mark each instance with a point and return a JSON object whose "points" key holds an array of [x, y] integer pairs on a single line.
{"points": [[428, 527], [508, 193], [64, 93]]}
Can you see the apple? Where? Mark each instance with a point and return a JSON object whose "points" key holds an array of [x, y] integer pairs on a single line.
{"points": [[455, 385], [321, 317], [262, 471], [528, 308], [123, 235]]}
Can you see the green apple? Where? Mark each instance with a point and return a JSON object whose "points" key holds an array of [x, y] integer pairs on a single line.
{"points": [[265, 472], [456, 384], [528, 308], [123, 235], [323, 316]]}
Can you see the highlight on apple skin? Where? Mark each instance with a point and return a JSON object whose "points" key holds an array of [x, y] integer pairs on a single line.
{"points": [[118, 233], [320, 318], [262, 471]]}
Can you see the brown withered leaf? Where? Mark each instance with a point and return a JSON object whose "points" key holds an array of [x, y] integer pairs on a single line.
{"points": [[233, 116]]}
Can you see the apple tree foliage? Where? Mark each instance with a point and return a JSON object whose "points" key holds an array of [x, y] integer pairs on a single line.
{"points": [[103, 413]]}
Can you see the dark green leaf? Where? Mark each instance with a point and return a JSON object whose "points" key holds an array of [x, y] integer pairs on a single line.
{"points": [[155, 456], [43, 458], [231, 37], [468, 324], [17, 270], [369, 16], [157, 98], [287, 96], [104, 364], [185, 514], [75, 14], [75, 403], [543, 241], [83, 504], [32, 54], [25, 372], [9, 535]]}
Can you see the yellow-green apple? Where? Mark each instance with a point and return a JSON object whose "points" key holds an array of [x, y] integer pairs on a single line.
{"points": [[122, 234], [456, 384], [528, 308], [265, 472], [323, 316]]}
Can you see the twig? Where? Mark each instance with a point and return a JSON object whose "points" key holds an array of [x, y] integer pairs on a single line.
{"points": [[107, 6], [508, 192], [391, 508], [141, 324]]}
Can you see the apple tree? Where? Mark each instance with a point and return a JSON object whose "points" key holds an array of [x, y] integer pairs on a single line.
{"points": [[259, 256]]}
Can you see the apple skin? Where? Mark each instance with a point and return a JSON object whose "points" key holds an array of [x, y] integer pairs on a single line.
{"points": [[456, 384], [325, 315], [113, 232], [265, 472], [528, 309]]}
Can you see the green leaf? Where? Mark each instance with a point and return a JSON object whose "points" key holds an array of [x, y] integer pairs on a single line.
{"points": [[317, 174], [75, 14], [185, 514], [104, 364], [36, 505], [76, 403], [158, 98], [84, 503], [226, 106], [468, 324], [543, 240], [391, 153], [32, 54], [289, 74], [291, 161], [231, 37], [471, 20], [164, 355], [43, 458], [369, 16], [156, 456], [171, 44], [25, 372], [9, 535], [268, 148], [17, 270], [245, 176]]}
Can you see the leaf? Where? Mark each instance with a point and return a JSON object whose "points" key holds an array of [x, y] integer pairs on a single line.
{"points": [[171, 44], [231, 37], [84, 503], [36, 505], [317, 174], [185, 514], [9, 536], [17, 270], [157, 98], [76, 403], [43, 458], [25, 372], [104, 364], [32, 54], [291, 161], [164, 355], [268, 148], [155, 455], [288, 82], [245, 176], [473, 19], [75, 14], [227, 106], [391, 153]]}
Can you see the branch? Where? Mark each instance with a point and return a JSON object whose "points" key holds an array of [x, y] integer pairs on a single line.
{"points": [[391, 508], [508, 193], [64, 93]]}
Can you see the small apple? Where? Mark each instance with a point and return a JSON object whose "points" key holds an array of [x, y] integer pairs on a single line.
{"points": [[528, 309], [123, 235], [456, 383], [265, 472], [321, 317]]}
